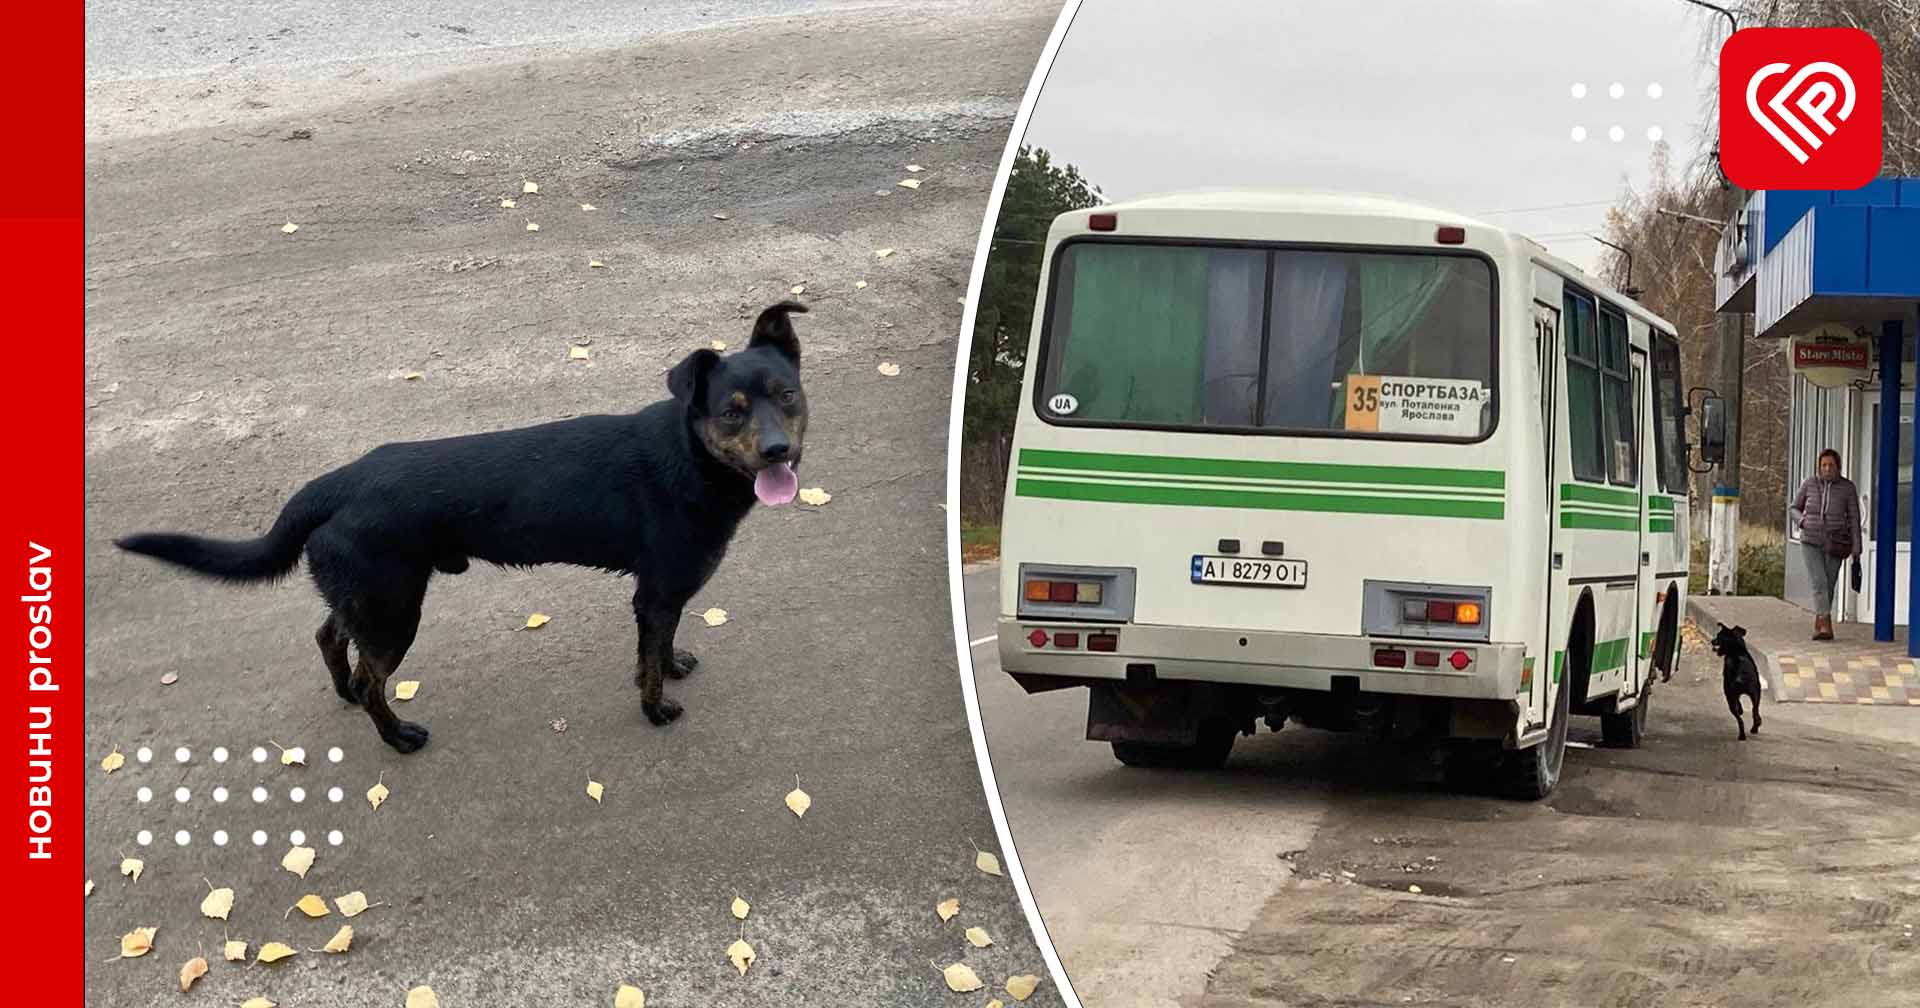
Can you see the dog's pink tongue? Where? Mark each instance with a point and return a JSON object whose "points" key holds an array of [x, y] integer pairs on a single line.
{"points": [[776, 484]]}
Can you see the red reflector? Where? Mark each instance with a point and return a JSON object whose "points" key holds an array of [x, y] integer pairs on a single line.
{"points": [[1061, 591], [1103, 222], [1038, 638], [1103, 642], [1439, 612], [1390, 658], [1426, 659], [1061, 638], [1460, 660], [1451, 235]]}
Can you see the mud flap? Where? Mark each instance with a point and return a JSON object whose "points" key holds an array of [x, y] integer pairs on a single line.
{"points": [[1161, 714]]}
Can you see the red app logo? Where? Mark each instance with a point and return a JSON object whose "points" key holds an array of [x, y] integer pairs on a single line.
{"points": [[1800, 108]]}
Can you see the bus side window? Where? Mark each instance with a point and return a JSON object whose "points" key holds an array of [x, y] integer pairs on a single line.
{"points": [[1584, 431]]}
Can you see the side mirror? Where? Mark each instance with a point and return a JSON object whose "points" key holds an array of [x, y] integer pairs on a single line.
{"points": [[1713, 429]]}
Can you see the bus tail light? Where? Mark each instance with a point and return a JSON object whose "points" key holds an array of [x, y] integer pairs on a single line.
{"points": [[1430, 611], [1071, 592], [1062, 592], [1106, 642], [1388, 657]]}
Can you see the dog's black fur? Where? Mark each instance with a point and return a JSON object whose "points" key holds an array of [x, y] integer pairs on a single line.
{"points": [[1739, 675], [656, 494]]}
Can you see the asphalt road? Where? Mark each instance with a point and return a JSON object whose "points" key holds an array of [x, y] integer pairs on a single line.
{"points": [[1695, 871], [228, 362]]}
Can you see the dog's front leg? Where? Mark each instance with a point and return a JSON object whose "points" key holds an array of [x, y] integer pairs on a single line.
{"points": [[656, 625]]}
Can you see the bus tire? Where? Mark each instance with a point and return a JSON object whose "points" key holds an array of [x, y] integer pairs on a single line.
{"points": [[1208, 752], [1532, 773], [1625, 731]]}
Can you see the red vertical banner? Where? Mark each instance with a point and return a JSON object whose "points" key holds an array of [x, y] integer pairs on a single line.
{"points": [[42, 265]]}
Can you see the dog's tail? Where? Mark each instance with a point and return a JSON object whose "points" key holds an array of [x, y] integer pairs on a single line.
{"points": [[241, 560]]}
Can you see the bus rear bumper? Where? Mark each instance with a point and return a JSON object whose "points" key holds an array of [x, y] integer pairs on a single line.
{"points": [[1254, 658]]}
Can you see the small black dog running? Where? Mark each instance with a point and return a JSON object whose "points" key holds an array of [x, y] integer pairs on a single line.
{"points": [[656, 494], [1739, 675]]}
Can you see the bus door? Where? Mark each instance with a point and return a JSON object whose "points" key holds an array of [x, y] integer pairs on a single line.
{"points": [[1546, 341]]}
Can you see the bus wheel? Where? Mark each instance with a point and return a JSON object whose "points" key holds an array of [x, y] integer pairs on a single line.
{"points": [[1531, 774], [1624, 731], [1208, 752]]}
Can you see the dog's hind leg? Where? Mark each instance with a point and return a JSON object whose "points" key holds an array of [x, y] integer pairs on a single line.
{"points": [[656, 624], [1739, 716], [333, 640], [383, 627], [1755, 697]]}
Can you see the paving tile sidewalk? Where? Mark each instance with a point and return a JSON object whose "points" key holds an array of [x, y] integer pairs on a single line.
{"points": [[1853, 668]]}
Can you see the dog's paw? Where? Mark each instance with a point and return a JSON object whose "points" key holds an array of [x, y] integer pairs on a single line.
{"points": [[407, 737], [682, 665], [663, 712]]}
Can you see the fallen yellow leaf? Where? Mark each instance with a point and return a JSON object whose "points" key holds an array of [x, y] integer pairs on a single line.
{"points": [[113, 761], [422, 997], [298, 860], [406, 689], [170, 678], [295, 756], [588, 206], [507, 204], [799, 801], [289, 227], [961, 978], [719, 344], [137, 942], [341, 940], [192, 970], [798, 289], [538, 620], [908, 183], [986, 862], [1022, 986], [995, 1003], [815, 496], [882, 253], [859, 285], [629, 996], [258, 1002], [529, 187], [594, 790], [578, 353], [913, 168], [352, 904], [273, 952], [234, 951], [218, 904], [132, 867], [596, 264], [312, 905], [411, 376], [742, 955], [947, 909], [89, 887], [741, 908], [978, 937], [714, 617], [889, 368], [377, 793], [531, 226]]}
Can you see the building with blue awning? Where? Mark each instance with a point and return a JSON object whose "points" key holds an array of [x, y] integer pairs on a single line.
{"points": [[1836, 276]]}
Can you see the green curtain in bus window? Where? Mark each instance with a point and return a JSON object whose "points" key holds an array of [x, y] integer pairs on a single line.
{"points": [[1395, 293], [1583, 414], [1136, 341]]}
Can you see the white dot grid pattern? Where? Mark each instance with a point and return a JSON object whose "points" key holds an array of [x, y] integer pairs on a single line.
{"points": [[259, 838], [1579, 134], [334, 755], [183, 755], [182, 795], [219, 838], [1579, 90], [334, 794], [259, 795], [1654, 133], [1616, 134], [220, 754], [297, 794], [1655, 91], [335, 838], [298, 753], [259, 754], [219, 794], [144, 795], [144, 754], [183, 838], [143, 838], [297, 838], [1616, 89]]}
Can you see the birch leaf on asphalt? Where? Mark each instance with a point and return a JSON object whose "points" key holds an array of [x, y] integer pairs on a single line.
{"points": [[378, 792], [588, 206], [859, 285], [594, 790], [741, 908], [815, 496], [507, 204], [529, 187], [312, 904], [89, 887], [961, 978], [273, 952], [995, 1003], [234, 951], [596, 264], [882, 253], [947, 909], [170, 678], [741, 954], [113, 761], [352, 904], [578, 353], [914, 168], [132, 867], [909, 183], [192, 970], [422, 997], [978, 938], [538, 620], [258, 1002], [137, 942], [406, 689], [1022, 986], [629, 996], [889, 369], [289, 227], [986, 862], [298, 860], [714, 617], [720, 345], [797, 289], [341, 940], [531, 226], [798, 801], [218, 904]]}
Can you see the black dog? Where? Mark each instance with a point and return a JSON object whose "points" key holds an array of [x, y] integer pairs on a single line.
{"points": [[656, 494], [1739, 676]]}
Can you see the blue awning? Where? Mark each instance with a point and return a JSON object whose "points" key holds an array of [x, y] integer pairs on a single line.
{"points": [[1798, 258]]}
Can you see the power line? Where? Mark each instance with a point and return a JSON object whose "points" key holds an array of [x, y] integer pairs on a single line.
{"points": [[1538, 209]]}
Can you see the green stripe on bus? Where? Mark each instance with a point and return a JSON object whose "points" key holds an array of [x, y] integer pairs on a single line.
{"points": [[1659, 524], [1044, 472], [1646, 644], [1586, 520], [1174, 465], [1559, 664], [1119, 493], [1656, 502], [1599, 495], [1610, 655]]}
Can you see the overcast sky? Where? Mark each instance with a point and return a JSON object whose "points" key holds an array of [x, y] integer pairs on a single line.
{"points": [[1466, 104]]}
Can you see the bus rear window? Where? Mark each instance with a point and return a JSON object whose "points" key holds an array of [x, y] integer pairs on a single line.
{"points": [[1270, 340]]}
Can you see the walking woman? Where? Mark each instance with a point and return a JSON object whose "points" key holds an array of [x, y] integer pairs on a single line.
{"points": [[1827, 512]]}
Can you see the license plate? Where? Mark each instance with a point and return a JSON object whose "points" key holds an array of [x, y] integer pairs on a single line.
{"points": [[1266, 572]]}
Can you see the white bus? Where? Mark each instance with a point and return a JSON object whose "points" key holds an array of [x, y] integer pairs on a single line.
{"points": [[1348, 460]]}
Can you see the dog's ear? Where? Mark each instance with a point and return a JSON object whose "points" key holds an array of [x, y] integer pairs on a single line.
{"points": [[773, 328], [1739, 631], [688, 379]]}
